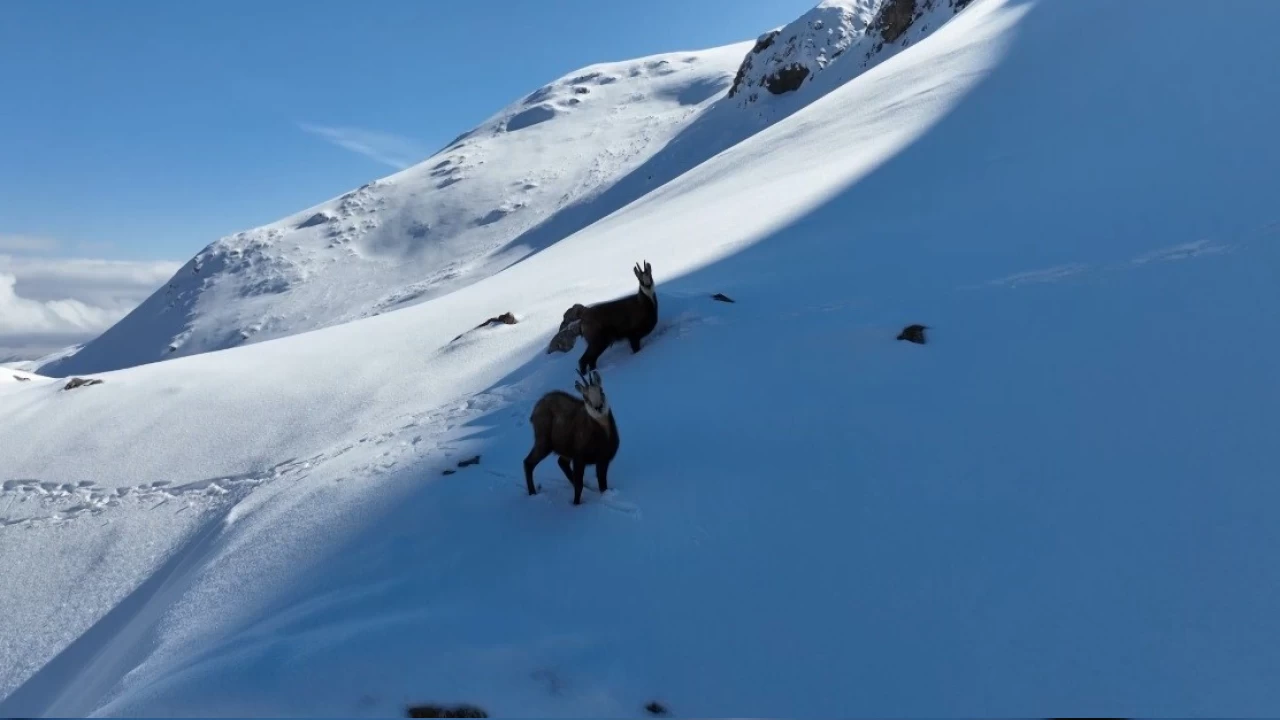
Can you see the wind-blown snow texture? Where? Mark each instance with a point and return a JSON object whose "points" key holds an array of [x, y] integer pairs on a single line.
{"points": [[1063, 504]]}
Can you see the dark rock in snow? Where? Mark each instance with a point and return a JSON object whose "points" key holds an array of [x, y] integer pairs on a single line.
{"points": [[894, 19], [762, 43], [505, 318], [76, 382], [19, 378], [419, 230], [469, 462], [721, 297], [897, 16], [657, 708], [445, 711], [449, 471], [913, 333], [786, 79]]}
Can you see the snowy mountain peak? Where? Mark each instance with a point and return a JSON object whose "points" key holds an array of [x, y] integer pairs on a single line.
{"points": [[559, 159], [783, 59], [494, 195]]}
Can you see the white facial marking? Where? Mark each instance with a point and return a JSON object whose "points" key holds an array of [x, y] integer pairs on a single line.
{"points": [[597, 406]]}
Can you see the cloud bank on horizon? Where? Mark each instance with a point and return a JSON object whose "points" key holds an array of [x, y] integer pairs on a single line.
{"points": [[49, 303]]}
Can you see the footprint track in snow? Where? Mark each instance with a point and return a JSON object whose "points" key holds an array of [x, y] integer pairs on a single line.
{"points": [[1180, 251], [30, 502]]}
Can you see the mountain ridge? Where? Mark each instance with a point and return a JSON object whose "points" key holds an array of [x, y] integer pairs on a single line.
{"points": [[449, 221]]}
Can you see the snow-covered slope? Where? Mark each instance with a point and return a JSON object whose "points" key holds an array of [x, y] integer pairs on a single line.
{"points": [[1059, 505], [33, 365], [459, 216], [555, 162], [11, 374]]}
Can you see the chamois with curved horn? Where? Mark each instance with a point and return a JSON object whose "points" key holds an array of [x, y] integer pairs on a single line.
{"points": [[630, 318], [581, 430]]}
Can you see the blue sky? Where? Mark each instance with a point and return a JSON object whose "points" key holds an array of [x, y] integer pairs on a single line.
{"points": [[144, 130]]}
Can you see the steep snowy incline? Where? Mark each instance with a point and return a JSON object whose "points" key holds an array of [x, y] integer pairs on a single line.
{"points": [[562, 158], [427, 230], [10, 374], [254, 439], [1059, 505], [785, 71]]}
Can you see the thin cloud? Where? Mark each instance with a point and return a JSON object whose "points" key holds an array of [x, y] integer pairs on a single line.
{"points": [[50, 303], [95, 246], [10, 242], [394, 150]]}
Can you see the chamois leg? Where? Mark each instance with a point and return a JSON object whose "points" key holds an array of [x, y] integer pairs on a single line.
{"points": [[535, 456], [593, 353], [579, 469], [635, 344], [567, 467], [602, 476]]}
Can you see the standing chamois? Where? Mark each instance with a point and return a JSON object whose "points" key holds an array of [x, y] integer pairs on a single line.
{"points": [[630, 318], [580, 430]]}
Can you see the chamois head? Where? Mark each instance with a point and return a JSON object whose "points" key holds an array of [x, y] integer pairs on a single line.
{"points": [[593, 395], [645, 276]]}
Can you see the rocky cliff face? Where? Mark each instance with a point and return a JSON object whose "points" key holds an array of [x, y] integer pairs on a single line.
{"points": [[844, 36], [783, 59]]}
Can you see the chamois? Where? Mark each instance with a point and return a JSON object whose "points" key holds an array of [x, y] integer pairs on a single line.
{"points": [[580, 430], [630, 318]]}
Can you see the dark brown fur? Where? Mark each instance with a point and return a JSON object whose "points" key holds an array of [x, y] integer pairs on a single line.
{"points": [[561, 425], [630, 318]]}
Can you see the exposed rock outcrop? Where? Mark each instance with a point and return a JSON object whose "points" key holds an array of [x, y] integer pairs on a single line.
{"points": [[913, 333], [784, 59], [445, 711], [762, 43], [851, 34], [657, 709], [786, 79], [897, 17], [894, 19], [77, 382], [505, 318]]}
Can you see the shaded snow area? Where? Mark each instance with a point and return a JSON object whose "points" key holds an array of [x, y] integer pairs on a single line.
{"points": [[1061, 504]]}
